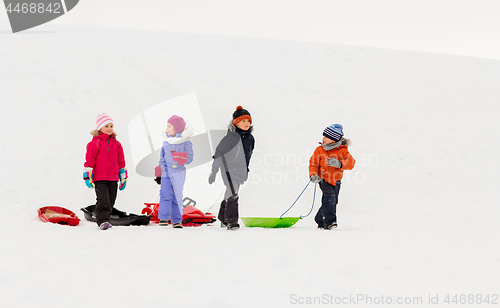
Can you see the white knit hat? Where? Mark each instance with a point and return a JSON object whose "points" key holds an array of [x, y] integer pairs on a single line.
{"points": [[102, 120]]}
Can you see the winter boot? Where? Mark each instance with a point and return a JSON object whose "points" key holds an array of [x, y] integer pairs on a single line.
{"points": [[163, 222], [177, 225], [233, 226], [105, 225], [331, 226], [231, 213], [223, 224]]}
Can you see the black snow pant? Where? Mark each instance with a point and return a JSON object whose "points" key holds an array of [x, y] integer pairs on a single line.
{"points": [[327, 213], [228, 212], [106, 196]]}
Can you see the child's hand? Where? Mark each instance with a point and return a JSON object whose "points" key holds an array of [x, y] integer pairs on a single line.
{"points": [[211, 177], [157, 171], [315, 179], [158, 175], [333, 162], [123, 178], [87, 176], [181, 157]]}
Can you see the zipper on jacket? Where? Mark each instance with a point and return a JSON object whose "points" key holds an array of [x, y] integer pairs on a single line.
{"points": [[109, 157]]}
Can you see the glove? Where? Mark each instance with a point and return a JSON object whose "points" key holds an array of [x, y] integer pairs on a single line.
{"points": [[211, 177], [87, 176], [315, 179], [333, 162], [123, 178], [181, 157], [158, 175]]}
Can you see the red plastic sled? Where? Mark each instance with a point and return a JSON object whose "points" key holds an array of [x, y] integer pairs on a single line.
{"points": [[191, 216], [58, 215]]}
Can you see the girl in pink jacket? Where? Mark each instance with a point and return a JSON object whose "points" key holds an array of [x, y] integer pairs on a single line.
{"points": [[104, 167]]}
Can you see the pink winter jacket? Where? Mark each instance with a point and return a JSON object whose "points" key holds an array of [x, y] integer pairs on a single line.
{"points": [[105, 156]]}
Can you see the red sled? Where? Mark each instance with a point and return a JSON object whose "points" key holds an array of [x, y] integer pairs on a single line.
{"points": [[191, 216], [58, 215]]}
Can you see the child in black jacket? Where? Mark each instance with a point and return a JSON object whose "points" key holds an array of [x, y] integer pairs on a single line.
{"points": [[232, 155]]}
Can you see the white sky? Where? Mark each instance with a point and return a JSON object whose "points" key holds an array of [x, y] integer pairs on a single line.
{"points": [[462, 27]]}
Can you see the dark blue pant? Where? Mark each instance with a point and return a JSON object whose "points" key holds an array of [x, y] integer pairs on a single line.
{"points": [[327, 213]]}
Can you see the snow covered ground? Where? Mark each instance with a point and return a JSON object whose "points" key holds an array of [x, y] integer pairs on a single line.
{"points": [[418, 215]]}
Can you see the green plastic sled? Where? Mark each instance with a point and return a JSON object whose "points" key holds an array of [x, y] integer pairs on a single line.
{"points": [[269, 222]]}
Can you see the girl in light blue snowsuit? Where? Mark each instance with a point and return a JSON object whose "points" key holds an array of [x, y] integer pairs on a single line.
{"points": [[176, 152]]}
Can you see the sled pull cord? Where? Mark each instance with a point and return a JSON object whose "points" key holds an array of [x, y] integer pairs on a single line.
{"points": [[298, 199], [314, 197], [216, 201]]}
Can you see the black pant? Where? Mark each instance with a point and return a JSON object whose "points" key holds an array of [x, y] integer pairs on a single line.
{"points": [[106, 196], [228, 212], [327, 213]]}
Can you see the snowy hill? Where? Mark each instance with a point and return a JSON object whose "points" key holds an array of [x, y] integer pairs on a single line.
{"points": [[418, 215]]}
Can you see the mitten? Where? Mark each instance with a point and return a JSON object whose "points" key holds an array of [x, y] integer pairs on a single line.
{"points": [[211, 177], [315, 179], [87, 176], [158, 175], [157, 171], [333, 162], [181, 157], [123, 178]]}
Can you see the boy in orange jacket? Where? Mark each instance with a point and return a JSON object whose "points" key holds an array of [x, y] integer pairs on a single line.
{"points": [[326, 168]]}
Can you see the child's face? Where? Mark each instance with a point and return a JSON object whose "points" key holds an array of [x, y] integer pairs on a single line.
{"points": [[244, 124], [107, 129], [170, 130], [327, 140]]}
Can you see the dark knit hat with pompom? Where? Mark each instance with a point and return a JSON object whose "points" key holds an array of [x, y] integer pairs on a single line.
{"points": [[241, 114]]}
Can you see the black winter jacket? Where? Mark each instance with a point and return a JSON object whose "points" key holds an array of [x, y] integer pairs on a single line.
{"points": [[235, 149]]}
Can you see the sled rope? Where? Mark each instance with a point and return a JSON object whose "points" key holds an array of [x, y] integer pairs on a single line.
{"points": [[299, 198], [215, 201], [314, 197]]}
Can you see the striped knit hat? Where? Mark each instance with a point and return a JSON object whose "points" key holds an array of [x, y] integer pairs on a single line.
{"points": [[102, 120], [334, 132], [241, 114]]}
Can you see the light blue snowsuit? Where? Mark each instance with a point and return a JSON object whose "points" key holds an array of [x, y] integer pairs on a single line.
{"points": [[173, 176]]}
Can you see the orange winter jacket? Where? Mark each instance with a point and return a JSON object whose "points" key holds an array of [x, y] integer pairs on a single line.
{"points": [[318, 166]]}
